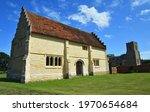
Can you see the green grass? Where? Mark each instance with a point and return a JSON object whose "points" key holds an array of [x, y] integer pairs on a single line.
{"points": [[117, 84]]}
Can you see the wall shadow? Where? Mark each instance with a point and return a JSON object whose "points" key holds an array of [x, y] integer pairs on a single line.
{"points": [[8, 80]]}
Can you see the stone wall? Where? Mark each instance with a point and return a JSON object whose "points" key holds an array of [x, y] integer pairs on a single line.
{"points": [[100, 54], [130, 69], [77, 53], [42, 46], [19, 50]]}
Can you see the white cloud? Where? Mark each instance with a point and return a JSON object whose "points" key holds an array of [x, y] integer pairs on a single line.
{"points": [[145, 54], [145, 12], [63, 5], [108, 36], [12, 18], [98, 1], [51, 13], [17, 13], [115, 3], [45, 9], [145, 19], [66, 22], [86, 14], [79, 17], [11, 4], [135, 3], [128, 18], [35, 6]]}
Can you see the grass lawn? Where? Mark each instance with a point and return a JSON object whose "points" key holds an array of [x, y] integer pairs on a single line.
{"points": [[117, 84]]}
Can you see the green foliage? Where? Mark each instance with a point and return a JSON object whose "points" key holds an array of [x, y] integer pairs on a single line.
{"points": [[110, 55], [4, 59], [123, 55], [135, 83], [2, 72], [145, 62]]}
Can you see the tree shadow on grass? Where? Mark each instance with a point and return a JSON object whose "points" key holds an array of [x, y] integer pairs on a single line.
{"points": [[9, 80], [3, 78]]}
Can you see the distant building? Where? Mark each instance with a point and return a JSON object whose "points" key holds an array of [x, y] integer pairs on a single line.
{"points": [[133, 55], [131, 58]]}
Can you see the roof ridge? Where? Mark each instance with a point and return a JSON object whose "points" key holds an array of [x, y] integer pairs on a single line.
{"points": [[57, 29], [58, 22]]}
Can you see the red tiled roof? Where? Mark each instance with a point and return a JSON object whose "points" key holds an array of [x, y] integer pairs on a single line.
{"points": [[50, 27]]}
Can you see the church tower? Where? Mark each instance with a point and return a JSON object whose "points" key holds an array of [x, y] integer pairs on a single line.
{"points": [[133, 55]]}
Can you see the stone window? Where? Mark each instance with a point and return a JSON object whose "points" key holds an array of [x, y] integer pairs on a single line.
{"points": [[47, 61], [53, 61], [96, 62], [84, 48], [56, 60], [59, 61]]}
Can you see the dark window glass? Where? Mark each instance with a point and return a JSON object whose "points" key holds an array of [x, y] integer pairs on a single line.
{"points": [[96, 62], [55, 61], [59, 61], [84, 48], [51, 61], [47, 61]]}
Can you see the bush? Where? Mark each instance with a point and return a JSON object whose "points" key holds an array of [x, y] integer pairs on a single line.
{"points": [[3, 72], [4, 60]]}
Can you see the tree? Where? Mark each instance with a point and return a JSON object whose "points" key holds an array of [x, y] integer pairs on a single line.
{"points": [[4, 59], [145, 61], [110, 55]]}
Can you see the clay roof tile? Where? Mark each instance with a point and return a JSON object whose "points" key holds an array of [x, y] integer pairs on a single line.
{"points": [[45, 26]]}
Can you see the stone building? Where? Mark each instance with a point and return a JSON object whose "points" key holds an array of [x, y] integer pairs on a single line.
{"points": [[133, 55], [131, 58], [44, 49]]}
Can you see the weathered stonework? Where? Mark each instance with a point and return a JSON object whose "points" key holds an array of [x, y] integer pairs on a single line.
{"points": [[29, 51], [19, 52], [131, 58]]}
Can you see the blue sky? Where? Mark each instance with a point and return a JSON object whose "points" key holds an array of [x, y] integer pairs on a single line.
{"points": [[116, 22]]}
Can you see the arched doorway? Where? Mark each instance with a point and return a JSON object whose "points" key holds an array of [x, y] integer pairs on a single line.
{"points": [[79, 68]]}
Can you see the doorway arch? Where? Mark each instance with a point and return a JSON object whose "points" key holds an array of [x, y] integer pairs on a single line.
{"points": [[79, 68]]}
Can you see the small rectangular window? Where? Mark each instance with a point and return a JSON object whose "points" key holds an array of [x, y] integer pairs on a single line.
{"points": [[51, 61], [56, 59], [47, 61], [59, 60], [84, 48], [96, 62]]}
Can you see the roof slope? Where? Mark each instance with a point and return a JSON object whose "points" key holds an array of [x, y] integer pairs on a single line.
{"points": [[50, 27]]}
